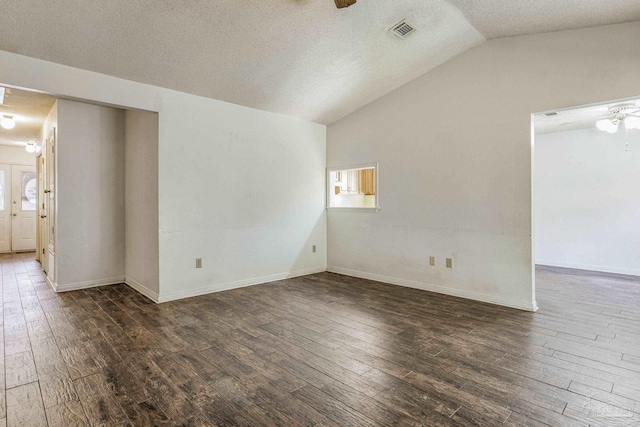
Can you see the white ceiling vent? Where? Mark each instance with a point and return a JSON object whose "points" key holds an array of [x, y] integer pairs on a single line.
{"points": [[402, 29]]}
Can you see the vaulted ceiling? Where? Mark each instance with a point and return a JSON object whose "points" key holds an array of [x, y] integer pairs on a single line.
{"points": [[302, 58]]}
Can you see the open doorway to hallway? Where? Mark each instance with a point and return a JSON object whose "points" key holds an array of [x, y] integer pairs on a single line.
{"points": [[585, 193], [23, 115], [79, 184]]}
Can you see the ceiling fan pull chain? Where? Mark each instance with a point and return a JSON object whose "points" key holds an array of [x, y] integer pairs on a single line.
{"points": [[626, 135]]}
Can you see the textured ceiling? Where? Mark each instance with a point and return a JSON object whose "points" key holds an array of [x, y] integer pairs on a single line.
{"points": [[29, 109], [575, 118], [505, 18], [302, 58]]}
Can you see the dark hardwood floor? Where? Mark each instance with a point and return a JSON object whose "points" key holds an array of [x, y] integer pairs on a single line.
{"points": [[322, 350]]}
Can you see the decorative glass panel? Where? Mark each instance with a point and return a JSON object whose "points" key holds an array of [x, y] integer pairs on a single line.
{"points": [[28, 191]]}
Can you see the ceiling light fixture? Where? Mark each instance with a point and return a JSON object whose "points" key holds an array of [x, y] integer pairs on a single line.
{"points": [[31, 147], [627, 113], [607, 125], [632, 122], [7, 122]]}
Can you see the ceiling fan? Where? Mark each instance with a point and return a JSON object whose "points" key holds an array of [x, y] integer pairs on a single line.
{"points": [[627, 113], [344, 3]]}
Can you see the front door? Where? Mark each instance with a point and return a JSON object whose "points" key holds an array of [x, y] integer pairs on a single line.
{"points": [[23, 208], [5, 208]]}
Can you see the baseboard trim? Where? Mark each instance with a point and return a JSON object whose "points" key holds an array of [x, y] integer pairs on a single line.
{"points": [[88, 284], [50, 283], [219, 287], [139, 287], [587, 267], [476, 296]]}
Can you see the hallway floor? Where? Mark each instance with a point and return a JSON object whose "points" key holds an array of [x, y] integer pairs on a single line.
{"points": [[325, 350]]}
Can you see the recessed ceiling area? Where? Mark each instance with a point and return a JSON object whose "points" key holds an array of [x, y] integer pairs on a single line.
{"points": [[29, 110], [301, 58], [575, 118]]}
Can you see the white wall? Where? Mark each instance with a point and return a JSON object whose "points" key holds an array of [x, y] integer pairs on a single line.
{"points": [[90, 246], [11, 155], [587, 200], [242, 188], [141, 202], [454, 148]]}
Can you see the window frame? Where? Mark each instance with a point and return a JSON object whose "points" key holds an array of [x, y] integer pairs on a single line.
{"points": [[374, 166]]}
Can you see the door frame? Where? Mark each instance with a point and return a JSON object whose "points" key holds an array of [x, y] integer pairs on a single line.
{"points": [[5, 214], [41, 212]]}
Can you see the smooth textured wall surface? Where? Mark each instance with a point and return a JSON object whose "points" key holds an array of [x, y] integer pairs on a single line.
{"points": [[587, 200], [90, 245], [454, 148], [141, 202], [11, 155], [241, 188]]}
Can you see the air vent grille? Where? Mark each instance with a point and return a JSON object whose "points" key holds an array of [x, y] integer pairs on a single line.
{"points": [[402, 29]]}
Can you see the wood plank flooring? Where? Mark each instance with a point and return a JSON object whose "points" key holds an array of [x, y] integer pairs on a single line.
{"points": [[321, 350]]}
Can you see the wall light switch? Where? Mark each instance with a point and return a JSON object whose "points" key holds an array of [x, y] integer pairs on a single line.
{"points": [[313, 249], [449, 263], [432, 260], [198, 262]]}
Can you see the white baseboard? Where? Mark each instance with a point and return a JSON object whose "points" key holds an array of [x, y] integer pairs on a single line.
{"points": [[218, 287], [153, 296], [88, 284], [50, 283], [589, 267], [476, 296]]}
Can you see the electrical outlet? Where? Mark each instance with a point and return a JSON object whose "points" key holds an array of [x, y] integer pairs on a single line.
{"points": [[198, 262], [449, 263], [432, 260], [313, 249]]}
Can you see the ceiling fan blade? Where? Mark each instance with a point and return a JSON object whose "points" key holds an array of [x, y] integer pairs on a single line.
{"points": [[344, 3]]}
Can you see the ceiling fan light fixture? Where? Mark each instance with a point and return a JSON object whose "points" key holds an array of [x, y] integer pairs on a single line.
{"points": [[7, 122], [632, 122], [607, 125]]}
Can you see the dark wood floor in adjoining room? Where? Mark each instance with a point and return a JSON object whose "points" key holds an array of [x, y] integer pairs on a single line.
{"points": [[321, 350]]}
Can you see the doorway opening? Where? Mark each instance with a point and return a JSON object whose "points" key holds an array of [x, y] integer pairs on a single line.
{"points": [[586, 198], [79, 190], [23, 116]]}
